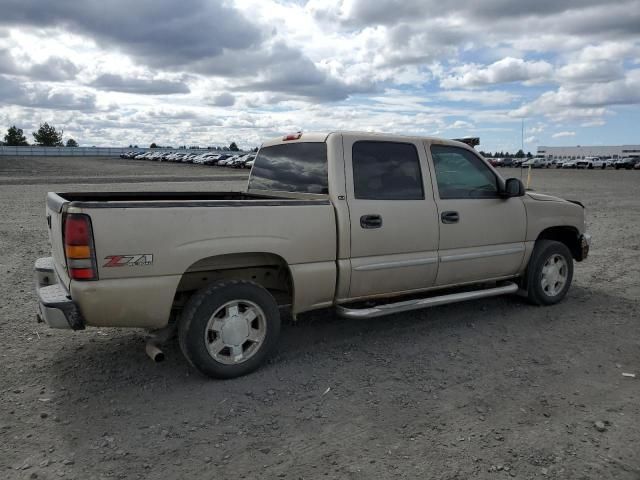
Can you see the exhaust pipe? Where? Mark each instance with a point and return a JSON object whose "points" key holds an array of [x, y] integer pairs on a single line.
{"points": [[156, 339], [154, 352]]}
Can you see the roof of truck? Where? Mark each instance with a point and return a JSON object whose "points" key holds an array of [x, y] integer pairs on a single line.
{"points": [[299, 137]]}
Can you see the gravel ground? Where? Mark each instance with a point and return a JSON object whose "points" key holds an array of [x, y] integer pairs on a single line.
{"points": [[488, 389]]}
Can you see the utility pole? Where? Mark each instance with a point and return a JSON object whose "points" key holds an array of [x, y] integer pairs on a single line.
{"points": [[522, 144]]}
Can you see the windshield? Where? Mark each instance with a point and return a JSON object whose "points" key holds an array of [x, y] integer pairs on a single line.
{"points": [[295, 167]]}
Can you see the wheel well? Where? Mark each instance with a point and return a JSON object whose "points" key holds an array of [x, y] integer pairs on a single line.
{"points": [[567, 235], [266, 269]]}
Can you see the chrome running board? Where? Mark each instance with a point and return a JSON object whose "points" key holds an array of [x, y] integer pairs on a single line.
{"points": [[408, 305]]}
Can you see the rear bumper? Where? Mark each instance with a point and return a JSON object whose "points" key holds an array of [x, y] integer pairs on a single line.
{"points": [[55, 306]]}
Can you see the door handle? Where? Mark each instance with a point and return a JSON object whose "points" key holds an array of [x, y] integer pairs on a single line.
{"points": [[450, 217], [371, 221]]}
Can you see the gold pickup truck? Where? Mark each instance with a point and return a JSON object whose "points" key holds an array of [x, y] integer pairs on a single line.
{"points": [[368, 224]]}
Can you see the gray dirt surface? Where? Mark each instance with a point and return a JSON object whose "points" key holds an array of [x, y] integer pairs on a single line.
{"points": [[489, 389]]}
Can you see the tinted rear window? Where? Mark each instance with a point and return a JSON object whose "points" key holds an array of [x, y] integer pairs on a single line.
{"points": [[294, 167]]}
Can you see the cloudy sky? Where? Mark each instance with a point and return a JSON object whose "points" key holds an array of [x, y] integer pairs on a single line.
{"points": [[206, 72]]}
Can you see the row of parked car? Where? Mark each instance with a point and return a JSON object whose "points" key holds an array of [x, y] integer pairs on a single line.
{"points": [[627, 163], [242, 160]]}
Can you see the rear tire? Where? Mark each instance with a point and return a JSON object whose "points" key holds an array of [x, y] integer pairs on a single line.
{"points": [[229, 328], [549, 273]]}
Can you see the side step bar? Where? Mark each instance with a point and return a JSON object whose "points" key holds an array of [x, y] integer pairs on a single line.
{"points": [[408, 305]]}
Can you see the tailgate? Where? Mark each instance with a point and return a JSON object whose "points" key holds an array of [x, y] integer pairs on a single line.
{"points": [[55, 205]]}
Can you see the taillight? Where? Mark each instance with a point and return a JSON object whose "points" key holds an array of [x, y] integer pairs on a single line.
{"points": [[78, 247]]}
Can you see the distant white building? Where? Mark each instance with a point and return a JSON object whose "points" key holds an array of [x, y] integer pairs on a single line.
{"points": [[574, 153]]}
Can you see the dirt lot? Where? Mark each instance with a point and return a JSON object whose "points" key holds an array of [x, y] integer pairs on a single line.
{"points": [[488, 389]]}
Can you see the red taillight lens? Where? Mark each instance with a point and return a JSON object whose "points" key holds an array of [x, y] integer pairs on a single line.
{"points": [[78, 247], [82, 273], [77, 229]]}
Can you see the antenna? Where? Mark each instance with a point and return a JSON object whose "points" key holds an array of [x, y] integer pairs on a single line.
{"points": [[521, 142]]}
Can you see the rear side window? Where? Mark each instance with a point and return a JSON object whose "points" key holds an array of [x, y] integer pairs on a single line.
{"points": [[386, 171], [293, 167], [461, 174]]}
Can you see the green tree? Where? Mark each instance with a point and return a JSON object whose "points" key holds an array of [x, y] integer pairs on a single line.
{"points": [[153, 145], [529, 155], [72, 143], [15, 137], [48, 136], [520, 154], [233, 147]]}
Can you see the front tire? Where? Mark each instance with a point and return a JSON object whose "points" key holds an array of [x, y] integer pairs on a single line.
{"points": [[228, 328], [549, 273]]}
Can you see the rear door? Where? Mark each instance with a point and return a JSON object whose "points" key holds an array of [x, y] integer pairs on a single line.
{"points": [[481, 234], [393, 216]]}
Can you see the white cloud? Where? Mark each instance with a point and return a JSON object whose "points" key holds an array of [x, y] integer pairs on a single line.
{"points": [[141, 86], [620, 92], [507, 70], [563, 134], [14, 92], [591, 72], [593, 123], [598, 63], [535, 129], [461, 124], [52, 69], [483, 97], [608, 51]]}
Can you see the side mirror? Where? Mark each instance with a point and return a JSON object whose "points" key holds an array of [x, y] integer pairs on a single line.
{"points": [[513, 187]]}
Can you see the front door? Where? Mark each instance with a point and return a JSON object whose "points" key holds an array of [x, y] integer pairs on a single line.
{"points": [[481, 234], [393, 216]]}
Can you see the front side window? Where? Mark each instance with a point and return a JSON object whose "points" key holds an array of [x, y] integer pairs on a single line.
{"points": [[291, 167], [461, 174], [386, 171]]}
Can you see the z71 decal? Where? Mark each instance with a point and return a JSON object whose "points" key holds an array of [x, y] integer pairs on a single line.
{"points": [[137, 260]]}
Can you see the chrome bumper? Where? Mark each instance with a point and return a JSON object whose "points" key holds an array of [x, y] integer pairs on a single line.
{"points": [[55, 306]]}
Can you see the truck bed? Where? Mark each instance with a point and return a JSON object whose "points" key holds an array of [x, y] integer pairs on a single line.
{"points": [[184, 237], [173, 199]]}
